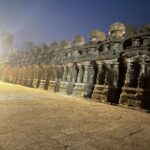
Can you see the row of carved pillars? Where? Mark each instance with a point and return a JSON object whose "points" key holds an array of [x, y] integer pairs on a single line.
{"points": [[105, 73], [137, 73], [137, 83], [90, 73]]}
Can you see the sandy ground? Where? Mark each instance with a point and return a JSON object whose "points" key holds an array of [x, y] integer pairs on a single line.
{"points": [[32, 119]]}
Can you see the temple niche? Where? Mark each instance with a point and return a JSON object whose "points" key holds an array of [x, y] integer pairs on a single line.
{"points": [[111, 68]]}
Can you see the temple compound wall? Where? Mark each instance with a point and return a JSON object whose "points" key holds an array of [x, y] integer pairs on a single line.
{"points": [[113, 68]]}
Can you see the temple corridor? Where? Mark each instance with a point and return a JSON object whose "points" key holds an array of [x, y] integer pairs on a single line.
{"points": [[35, 119]]}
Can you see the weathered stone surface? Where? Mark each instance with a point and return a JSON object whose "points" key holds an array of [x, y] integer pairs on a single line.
{"points": [[78, 40], [36, 119], [65, 44], [96, 35]]}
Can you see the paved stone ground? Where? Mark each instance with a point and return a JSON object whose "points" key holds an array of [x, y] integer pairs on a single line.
{"points": [[32, 119]]}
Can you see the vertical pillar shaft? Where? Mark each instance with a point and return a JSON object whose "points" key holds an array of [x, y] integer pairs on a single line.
{"points": [[116, 74], [86, 67], [127, 78], [142, 75], [80, 74], [100, 70], [65, 74]]}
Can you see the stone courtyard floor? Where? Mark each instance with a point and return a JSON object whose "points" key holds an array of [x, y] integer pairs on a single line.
{"points": [[33, 119]]}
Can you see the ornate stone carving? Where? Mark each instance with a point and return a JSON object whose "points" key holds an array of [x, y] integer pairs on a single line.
{"points": [[117, 67], [96, 35], [65, 44], [117, 30], [54, 46], [78, 40]]}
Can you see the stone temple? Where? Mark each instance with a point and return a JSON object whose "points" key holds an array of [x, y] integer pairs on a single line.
{"points": [[113, 68]]}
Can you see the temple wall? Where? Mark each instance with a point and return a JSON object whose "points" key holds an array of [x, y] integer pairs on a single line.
{"points": [[112, 69]]}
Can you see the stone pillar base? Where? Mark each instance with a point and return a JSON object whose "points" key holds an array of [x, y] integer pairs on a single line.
{"points": [[5, 79], [63, 87], [70, 88], [29, 82], [79, 89], [51, 86], [106, 94], [100, 93], [23, 82], [13, 80], [42, 84], [133, 97], [35, 82], [18, 80]]}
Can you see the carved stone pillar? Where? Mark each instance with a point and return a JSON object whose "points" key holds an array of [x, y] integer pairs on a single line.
{"points": [[87, 66], [111, 90], [79, 85], [131, 93], [57, 78], [112, 73], [29, 76], [116, 74], [99, 79], [53, 72], [65, 74], [36, 77], [141, 80], [85, 80], [44, 78], [99, 86], [52, 78], [80, 74], [70, 78], [63, 86], [142, 75], [88, 79], [74, 73], [69, 75], [90, 82], [128, 73], [148, 74], [24, 76]]}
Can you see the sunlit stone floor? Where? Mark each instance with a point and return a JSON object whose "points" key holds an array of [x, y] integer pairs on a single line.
{"points": [[32, 119]]}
